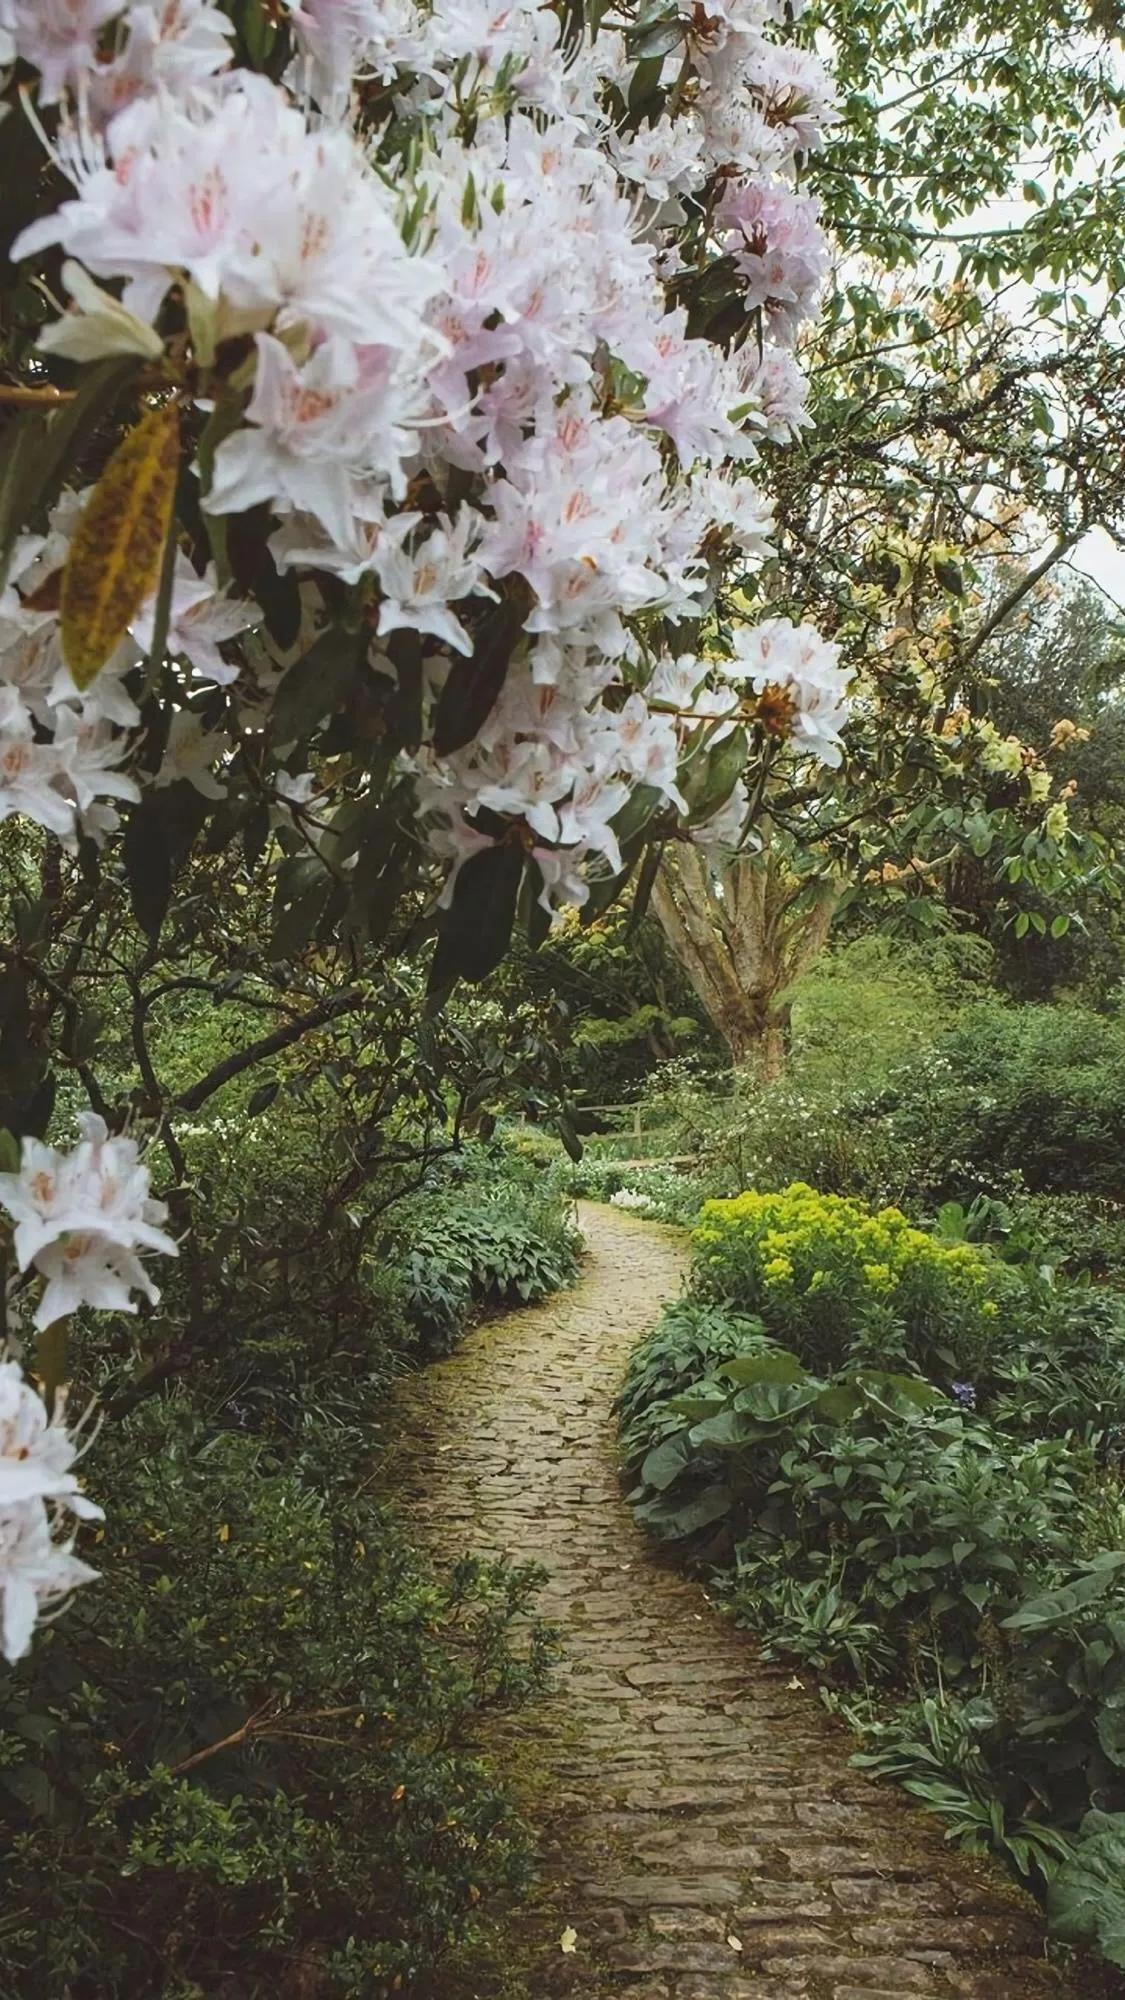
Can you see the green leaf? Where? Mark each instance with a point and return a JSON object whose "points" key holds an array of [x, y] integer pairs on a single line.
{"points": [[709, 780], [475, 931], [473, 684], [1055, 1607], [706, 1508], [664, 1464], [148, 864], [316, 685], [1086, 1898], [779, 1366], [568, 1133]]}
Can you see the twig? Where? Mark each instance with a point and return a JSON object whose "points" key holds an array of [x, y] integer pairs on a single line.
{"points": [[9, 393]]}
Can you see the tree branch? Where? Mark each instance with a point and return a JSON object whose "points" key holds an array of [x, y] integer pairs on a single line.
{"points": [[347, 1002], [1015, 597]]}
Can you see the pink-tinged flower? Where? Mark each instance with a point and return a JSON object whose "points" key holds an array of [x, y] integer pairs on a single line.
{"points": [[37, 1453], [334, 37], [270, 221], [59, 38], [30, 771], [202, 618], [779, 247], [420, 585], [796, 664], [781, 390], [661, 159], [691, 387], [35, 1573], [80, 1219], [173, 47], [579, 517], [301, 543], [737, 509], [796, 92], [316, 429]]}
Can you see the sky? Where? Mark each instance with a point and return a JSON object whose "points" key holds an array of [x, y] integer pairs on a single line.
{"points": [[1099, 558]]}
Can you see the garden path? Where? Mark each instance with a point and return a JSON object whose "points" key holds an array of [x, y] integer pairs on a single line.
{"points": [[701, 1829]]}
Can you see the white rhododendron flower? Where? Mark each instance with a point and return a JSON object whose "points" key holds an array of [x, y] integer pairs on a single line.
{"points": [[38, 1490], [35, 1573], [201, 617], [36, 1452], [82, 1217], [801, 670], [495, 309]]}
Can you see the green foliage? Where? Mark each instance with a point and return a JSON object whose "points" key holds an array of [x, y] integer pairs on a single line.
{"points": [[690, 1341], [833, 1279], [1086, 1900], [484, 1232], [1059, 1367], [1037, 1089], [948, 1560], [248, 1749], [661, 1194]]}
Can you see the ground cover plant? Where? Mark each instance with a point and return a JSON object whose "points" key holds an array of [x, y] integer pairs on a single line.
{"points": [[900, 1459]]}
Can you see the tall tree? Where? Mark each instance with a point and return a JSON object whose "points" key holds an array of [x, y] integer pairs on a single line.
{"points": [[967, 401]]}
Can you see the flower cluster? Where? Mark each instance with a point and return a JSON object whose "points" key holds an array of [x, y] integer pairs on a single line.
{"points": [[38, 1488], [465, 357], [60, 748], [81, 1218]]}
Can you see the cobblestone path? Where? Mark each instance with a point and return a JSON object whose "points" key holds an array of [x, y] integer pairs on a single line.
{"points": [[701, 1829]]}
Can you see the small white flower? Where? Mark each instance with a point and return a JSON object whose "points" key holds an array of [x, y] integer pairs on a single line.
{"points": [[190, 755], [36, 1451], [34, 1572], [80, 1219]]}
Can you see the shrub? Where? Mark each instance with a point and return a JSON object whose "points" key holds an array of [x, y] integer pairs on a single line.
{"points": [[487, 1229], [830, 1278], [871, 1531], [1040, 1089], [688, 1343], [1060, 1368], [1079, 1233], [252, 1748]]}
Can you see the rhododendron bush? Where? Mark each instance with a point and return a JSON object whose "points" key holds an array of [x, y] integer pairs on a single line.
{"points": [[389, 391]]}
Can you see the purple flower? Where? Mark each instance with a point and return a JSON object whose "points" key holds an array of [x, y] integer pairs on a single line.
{"points": [[964, 1395]]}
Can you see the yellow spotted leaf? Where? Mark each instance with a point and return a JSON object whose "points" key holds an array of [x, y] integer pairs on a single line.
{"points": [[115, 555]]}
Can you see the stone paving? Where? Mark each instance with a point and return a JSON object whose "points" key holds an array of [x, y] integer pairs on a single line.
{"points": [[701, 1829]]}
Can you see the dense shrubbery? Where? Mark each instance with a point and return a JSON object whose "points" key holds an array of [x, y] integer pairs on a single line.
{"points": [[242, 1760], [944, 1552], [830, 1279], [247, 1746], [495, 1235], [909, 1085], [660, 1193]]}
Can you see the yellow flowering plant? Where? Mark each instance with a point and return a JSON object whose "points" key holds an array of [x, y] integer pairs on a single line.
{"points": [[836, 1281]]}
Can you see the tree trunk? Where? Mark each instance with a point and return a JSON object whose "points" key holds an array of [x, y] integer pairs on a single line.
{"points": [[743, 935]]}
